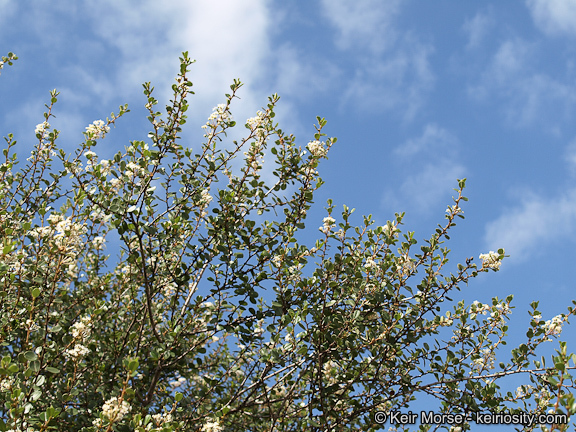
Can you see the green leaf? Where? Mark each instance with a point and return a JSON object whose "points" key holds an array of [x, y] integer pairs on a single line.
{"points": [[30, 355], [7, 248]]}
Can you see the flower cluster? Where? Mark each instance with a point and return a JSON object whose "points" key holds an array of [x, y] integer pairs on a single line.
{"points": [[330, 370], [491, 260], [133, 169], [162, 418], [485, 361], [115, 410], [6, 383], [524, 390], [317, 148], [328, 223], [205, 198], [220, 115], [370, 263], [478, 308], [41, 128], [390, 230], [454, 210], [554, 326], [254, 156], [80, 331], [212, 426], [98, 242], [97, 130], [66, 236], [499, 311], [45, 148], [258, 125], [277, 260], [406, 265], [78, 351]]}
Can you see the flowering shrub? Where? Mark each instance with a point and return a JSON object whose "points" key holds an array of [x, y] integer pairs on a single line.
{"points": [[215, 318]]}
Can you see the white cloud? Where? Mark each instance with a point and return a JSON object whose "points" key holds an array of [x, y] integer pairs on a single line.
{"points": [[392, 71], [433, 140], [399, 82], [425, 188], [7, 7], [525, 230], [554, 17], [229, 40], [477, 28], [432, 163], [301, 74], [510, 60], [570, 157], [364, 23], [526, 94]]}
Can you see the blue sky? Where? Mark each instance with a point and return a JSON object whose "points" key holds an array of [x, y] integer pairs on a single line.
{"points": [[418, 93]]}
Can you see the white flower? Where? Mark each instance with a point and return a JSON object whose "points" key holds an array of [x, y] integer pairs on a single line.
{"points": [[105, 167], [81, 329], [6, 383], [115, 184], [206, 198], [486, 361], [390, 230], [177, 383], [40, 128], [317, 148], [30, 325], [258, 330], [524, 390], [256, 122], [328, 224], [212, 426], [370, 263], [478, 308], [96, 130], [219, 115], [446, 321], [406, 264], [491, 260], [161, 418], [98, 243], [257, 125], [554, 326], [78, 351], [330, 370], [454, 210], [115, 410], [499, 311], [132, 168]]}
